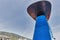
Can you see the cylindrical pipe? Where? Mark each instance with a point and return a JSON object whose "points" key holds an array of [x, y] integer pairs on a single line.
{"points": [[41, 29]]}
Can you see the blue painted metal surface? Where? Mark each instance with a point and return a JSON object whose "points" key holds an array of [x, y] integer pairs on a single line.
{"points": [[41, 29]]}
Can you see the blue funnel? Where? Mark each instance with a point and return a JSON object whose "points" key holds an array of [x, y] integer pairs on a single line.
{"points": [[41, 29]]}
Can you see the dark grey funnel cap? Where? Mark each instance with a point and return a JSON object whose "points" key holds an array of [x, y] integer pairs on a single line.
{"points": [[39, 8]]}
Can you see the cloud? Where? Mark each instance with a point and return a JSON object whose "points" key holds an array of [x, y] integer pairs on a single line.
{"points": [[56, 31], [14, 17]]}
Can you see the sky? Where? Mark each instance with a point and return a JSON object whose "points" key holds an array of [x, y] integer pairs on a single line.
{"points": [[15, 19]]}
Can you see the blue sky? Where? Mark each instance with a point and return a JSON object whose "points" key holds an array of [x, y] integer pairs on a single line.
{"points": [[14, 17]]}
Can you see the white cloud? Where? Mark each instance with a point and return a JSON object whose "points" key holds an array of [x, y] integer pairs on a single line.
{"points": [[56, 32], [13, 15]]}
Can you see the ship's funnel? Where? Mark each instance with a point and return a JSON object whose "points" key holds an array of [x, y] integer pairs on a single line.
{"points": [[39, 8]]}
